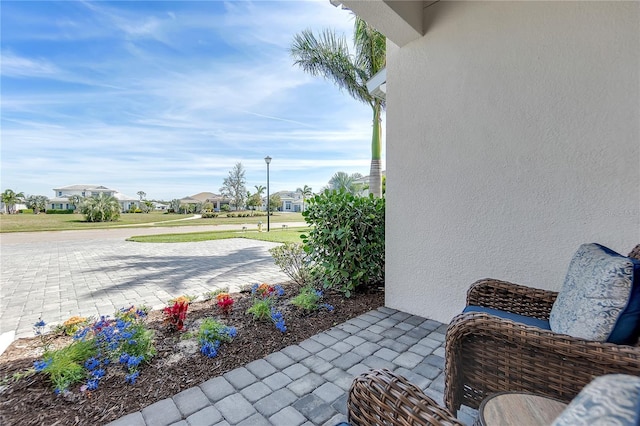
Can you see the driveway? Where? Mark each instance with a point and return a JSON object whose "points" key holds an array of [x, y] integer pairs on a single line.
{"points": [[55, 275]]}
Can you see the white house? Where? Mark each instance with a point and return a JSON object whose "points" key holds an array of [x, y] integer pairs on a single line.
{"points": [[61, 199], [517, 126], [291, 201]]}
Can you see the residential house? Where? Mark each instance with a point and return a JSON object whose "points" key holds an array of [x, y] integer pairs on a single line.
{"points": [[161, 207], [16, 208], [207, 197], [516, 125], [61, 199], [291, 201]]}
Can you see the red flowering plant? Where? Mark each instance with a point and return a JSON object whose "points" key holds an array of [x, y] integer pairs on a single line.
{"points": [[264, 290], [225, 303], [174, 316]]}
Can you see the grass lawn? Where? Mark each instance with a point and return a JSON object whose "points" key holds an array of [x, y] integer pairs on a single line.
{"points": [[58, 222], [276, 235]]}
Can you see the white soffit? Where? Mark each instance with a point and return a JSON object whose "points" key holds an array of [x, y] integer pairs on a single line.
{"points": [[400, 21]]}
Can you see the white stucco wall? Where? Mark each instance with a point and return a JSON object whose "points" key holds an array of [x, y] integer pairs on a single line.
{"points": [[513, 136]]}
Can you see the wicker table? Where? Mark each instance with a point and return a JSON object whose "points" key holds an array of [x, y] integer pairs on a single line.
{"points": [[518, 408]]}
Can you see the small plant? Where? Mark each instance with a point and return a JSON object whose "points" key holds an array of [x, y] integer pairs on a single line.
{"points": [[212, 294], [309, 299], [278, 320], [261, 309], [264, 299], [95, 347], [72, 325], [212, 334], [225, 303], [186, 298], [293, 261], [174, 316], [38, 330], [265, 290], [65, 366]]}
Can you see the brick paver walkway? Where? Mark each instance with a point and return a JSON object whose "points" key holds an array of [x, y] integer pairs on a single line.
{"points": [[307, 384], [57, 279]]}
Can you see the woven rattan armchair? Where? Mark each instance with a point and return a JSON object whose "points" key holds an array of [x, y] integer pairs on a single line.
{"points": [[383, 398], [486, 354]]}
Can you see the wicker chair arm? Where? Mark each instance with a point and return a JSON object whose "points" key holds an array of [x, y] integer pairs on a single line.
{"points": [[383, 398], [506, 296], [486, 354]]}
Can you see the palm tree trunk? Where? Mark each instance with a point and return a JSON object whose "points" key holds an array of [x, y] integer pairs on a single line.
{"points": [[375, 173]]}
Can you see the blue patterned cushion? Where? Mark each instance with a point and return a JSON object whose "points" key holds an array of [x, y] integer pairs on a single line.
{"points": [[607, 400], [600, 297], [534, 322]]}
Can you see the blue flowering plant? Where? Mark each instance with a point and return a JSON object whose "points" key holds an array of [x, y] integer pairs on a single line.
{"points": [[212, 334], [39, 331], [124, 339], [263, 308], [309, 299], [65, 366]]}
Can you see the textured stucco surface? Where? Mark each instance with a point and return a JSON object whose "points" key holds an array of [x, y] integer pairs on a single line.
{"points": [[513, 136]]}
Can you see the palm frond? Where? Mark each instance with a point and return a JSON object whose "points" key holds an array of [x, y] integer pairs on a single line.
{"points": [[328, 56], [370, 48]]}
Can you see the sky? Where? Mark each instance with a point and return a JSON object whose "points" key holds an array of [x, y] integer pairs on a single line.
{"points": [[166, 97]]}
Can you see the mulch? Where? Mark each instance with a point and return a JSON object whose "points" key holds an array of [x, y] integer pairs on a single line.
{"points": [[177, 366]]}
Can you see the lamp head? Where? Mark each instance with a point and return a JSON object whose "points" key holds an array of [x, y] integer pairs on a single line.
{"points": [[267, 159]]}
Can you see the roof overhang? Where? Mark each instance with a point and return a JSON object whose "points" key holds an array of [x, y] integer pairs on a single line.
{"points": [[400, 20]]}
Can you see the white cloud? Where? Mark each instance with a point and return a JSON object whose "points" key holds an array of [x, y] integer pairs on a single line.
{"points": [[16, 66]]}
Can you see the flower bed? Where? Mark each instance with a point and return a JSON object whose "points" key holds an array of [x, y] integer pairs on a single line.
{"points": [[182, 358]]}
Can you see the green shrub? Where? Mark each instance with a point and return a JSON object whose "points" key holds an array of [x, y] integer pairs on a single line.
{"points": [[58, 211], [346, 241], [231, 215], [209, 215], [24, 211], [293, 261]]}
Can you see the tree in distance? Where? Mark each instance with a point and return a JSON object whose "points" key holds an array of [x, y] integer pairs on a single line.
{"points": [[101, 208], [10, 198], [233, 186], [38, 203]]}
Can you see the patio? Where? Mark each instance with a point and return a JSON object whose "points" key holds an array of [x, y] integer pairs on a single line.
{"points": [[307, 384]]}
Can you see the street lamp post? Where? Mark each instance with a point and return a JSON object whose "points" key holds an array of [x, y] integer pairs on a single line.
{"points": [[267, 160]]}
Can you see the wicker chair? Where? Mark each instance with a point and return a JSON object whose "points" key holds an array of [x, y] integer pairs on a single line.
{"points": [[382, 398], [486, 354]]}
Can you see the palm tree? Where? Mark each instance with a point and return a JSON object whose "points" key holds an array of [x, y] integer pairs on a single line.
{"points": [[344, 181], [175, 205], [76, 200], [37, 202], [328, 56], [101, 208], [306, 192], [10, 199], [260, 189], [141, 194]]}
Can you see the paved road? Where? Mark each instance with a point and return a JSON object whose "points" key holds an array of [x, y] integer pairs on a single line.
{"points": [[55, 275]]}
